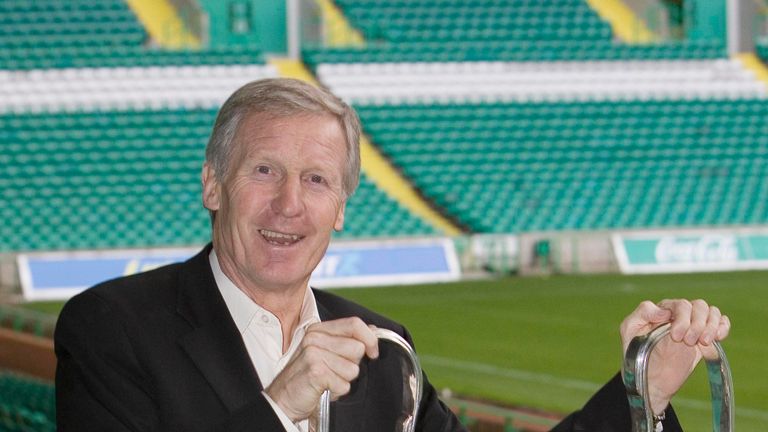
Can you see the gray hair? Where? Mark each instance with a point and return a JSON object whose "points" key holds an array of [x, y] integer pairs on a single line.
{"points": [[283, 97]]}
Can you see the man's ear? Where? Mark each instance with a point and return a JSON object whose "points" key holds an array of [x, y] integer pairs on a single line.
{"points": [[211, 193], [339, 224]]}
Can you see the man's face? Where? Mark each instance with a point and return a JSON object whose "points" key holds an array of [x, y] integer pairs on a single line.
{"points": [[280, 201]]}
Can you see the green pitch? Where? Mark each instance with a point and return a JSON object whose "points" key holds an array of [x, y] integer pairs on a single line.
{"points": [[551, 342]]}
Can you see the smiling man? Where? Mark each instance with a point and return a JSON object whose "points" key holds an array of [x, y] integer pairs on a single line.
{"points": [[235, 339]]}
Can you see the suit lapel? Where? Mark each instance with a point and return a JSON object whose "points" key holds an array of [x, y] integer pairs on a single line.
{"points": [[322, 309], [214, 344]]}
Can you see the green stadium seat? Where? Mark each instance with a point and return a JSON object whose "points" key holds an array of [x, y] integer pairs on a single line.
{"points": [[519, 167], [130, 179]]}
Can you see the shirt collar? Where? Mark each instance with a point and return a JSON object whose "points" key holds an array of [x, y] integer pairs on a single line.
{"points": [[244, 310]]}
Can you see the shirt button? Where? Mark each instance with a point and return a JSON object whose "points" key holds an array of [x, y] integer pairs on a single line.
{"points": [[264, 319]]}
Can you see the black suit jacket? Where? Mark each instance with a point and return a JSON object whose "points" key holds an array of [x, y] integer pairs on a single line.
{"points": [[159, 351]]}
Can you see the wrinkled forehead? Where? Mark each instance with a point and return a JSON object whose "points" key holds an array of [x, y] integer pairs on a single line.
{"points": [[325, 130]]}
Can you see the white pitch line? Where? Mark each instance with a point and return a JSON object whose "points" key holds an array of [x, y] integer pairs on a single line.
{"points": [[516, 374], [568, 383]]}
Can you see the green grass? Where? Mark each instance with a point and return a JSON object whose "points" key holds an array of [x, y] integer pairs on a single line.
{"points": [[549, 343]]}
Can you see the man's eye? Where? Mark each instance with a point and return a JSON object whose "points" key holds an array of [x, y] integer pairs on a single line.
{"points": [[316, 179], [263, 170]]}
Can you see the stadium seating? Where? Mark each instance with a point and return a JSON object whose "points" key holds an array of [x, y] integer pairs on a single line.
{"points": [[509, 116], [75, 34], [116, 179], [557, 50], [26, 405], [518, 116], [26, 321], [516, 167], [392, 83], [88, 89], [492, 30]]}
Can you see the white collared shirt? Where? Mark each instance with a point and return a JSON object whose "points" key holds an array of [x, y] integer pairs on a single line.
{"points": [[263, 336]]}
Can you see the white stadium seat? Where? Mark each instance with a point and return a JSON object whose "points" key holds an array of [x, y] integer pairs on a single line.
{"points": [[394, 83], [124, 88]]}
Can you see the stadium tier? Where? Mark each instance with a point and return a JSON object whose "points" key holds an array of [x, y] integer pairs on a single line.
{"points": [[75, 34], [529, 115], [558, 50], [26, 404], [475, 20], [516, 167], [121, 88], [440, 82], [116, 179], [492, 30], [508, 116]]}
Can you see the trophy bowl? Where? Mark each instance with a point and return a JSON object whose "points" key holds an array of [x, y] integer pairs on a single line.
{"points": [[413, 381], [634, 372]]}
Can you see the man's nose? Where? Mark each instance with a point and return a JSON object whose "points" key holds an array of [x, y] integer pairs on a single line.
{"points": [[288, 200]]}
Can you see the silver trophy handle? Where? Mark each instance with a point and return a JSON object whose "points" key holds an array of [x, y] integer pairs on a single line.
{"points": [[635, 375], [415, 382]]}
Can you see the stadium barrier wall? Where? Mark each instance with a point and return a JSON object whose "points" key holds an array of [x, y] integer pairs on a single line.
{"points": [[28, 354], [622, 251]]}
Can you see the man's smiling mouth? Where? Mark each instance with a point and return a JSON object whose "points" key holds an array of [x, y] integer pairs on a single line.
{"points": [[278, 238]]}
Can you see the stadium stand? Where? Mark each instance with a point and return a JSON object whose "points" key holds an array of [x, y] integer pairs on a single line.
{"points": [[121, 179], [556, 128], [393, 83], [27, 321], [492, 30], [517, 167], [120, 88], [76, 34], [94, 125], [26, 404], [105, 135]]}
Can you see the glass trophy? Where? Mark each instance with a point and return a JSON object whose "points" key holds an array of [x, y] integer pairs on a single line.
{"points": [[412, 385], [635, 375]]}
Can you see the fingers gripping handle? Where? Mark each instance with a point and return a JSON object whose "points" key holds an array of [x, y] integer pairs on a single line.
{"points": [[324, 410], [635, 375]]}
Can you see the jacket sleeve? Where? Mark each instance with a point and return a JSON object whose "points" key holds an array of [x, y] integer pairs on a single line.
{"points": [[101, 385], [608, 411]]}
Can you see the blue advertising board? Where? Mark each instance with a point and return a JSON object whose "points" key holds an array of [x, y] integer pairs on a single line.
{"points": [[58, 276]]}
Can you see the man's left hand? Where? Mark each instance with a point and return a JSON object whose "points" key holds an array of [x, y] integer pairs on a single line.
{"points": [[695, 325]]}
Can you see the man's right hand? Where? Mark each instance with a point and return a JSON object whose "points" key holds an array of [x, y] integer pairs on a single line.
{"points": [[328, 358]]}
